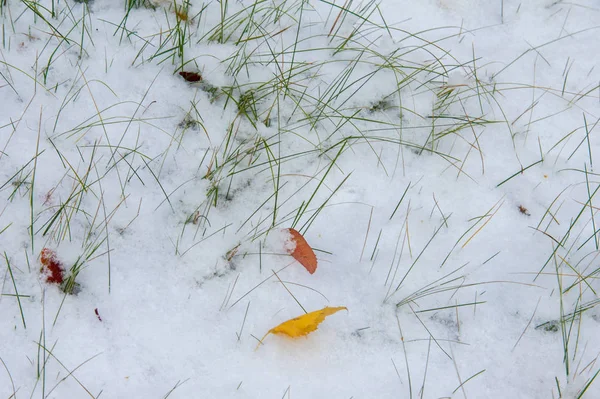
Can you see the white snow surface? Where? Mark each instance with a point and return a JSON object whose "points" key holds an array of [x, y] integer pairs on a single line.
{"points": [[402, 154]]}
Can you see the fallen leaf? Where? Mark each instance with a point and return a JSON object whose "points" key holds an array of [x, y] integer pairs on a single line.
{"points": [[51, 267], [302, 252], [524, 210], [305, 324], [191, 76]]}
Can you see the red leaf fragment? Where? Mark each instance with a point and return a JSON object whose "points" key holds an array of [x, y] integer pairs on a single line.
{"points": [[191, 76], [303, 253], [97, 314], [52, 268]]}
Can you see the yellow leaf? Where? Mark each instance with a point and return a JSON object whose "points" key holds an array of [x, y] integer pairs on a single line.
{"points": [[303, 325]]}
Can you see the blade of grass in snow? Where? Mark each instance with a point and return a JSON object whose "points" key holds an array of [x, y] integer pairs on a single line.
{"points": [[12, 277]]}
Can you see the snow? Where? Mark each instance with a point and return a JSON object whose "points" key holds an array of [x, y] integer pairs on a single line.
{"points": [[441, 163]]}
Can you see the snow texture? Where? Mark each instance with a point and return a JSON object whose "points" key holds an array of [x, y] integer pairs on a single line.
{"points": [[438, 155]]}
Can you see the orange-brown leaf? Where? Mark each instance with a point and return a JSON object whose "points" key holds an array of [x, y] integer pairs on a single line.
{"points": [[302, 252], [305, 324]]}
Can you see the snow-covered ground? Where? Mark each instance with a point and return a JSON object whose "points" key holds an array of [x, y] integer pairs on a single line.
{"points": [[439, 156]]}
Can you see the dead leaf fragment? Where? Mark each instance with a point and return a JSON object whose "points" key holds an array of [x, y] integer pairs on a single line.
{"points": [[302, 252], [524, 210], [191, 76], [305, 324], [52, 268]]}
